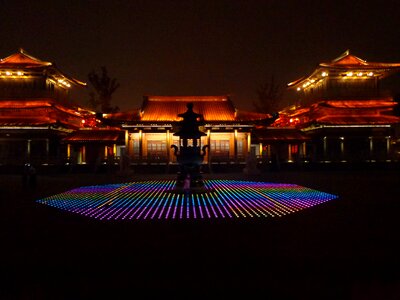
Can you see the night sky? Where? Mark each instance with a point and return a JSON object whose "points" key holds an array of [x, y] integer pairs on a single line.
{"points": [[198, 47]]}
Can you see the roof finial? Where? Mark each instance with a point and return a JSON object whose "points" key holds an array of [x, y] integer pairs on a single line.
{"points": [[21, 50], [344, 54]]}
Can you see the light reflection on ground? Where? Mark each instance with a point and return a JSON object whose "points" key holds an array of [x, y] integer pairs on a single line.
{"points": [[152, 200]]}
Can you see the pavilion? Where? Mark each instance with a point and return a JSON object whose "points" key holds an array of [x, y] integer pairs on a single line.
{"points": [[344, 112], [342, 115]]}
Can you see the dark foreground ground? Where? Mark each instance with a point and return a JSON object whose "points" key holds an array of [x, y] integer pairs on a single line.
{"points": [[344, 249]]}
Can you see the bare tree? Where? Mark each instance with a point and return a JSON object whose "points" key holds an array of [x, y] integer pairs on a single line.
{"points": [[104, 87], [269, 97]]}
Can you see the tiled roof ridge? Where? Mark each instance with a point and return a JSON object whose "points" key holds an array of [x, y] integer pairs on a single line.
{"points": [[173, 98], [22, 57]]}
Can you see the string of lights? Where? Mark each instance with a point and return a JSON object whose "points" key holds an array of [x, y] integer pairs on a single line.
{"points": [[152, 200]]}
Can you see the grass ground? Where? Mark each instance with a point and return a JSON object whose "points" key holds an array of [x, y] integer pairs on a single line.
{"points": [[342, 249]]}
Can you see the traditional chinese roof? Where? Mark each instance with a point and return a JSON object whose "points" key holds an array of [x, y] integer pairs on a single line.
{"points": [[358, 120], [349, 61], [363, 104], [38, 112], [123, 116], [347, 65], [341, 112], [96, 135], [21, 61], [167, 108], [213, 109]]}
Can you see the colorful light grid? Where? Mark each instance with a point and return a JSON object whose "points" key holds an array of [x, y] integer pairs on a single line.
{"points": [[153, 200]]}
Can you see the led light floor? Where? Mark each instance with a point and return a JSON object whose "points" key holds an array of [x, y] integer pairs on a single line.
{"points": [[151, 200]]}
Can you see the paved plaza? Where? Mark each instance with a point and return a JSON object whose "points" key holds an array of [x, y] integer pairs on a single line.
{"points": [[346, 248]]}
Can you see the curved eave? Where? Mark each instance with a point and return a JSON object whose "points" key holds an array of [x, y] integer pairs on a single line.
{"points": [[300, 81], [379, 103], [348, 62], [370, 65], [70, 79], [31, 105], [358, 120], [296, 82], [22, 59], [124, 116], [380, 72]]}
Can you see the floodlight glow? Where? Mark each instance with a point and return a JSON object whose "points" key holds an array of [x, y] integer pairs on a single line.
{"points": [[153, 200]]}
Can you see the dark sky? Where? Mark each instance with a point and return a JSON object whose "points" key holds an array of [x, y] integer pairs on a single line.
{"points": [[198, 47]]}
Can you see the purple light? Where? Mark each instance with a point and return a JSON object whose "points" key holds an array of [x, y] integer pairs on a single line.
{"points": [[152, 200]]}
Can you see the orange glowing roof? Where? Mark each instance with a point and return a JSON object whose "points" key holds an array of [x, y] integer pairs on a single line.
{"points": [[21, 58], [378, 103], [95, 135], [129, 115], [26, 121], [167, 108], [346, 62], [341, 112], [358, 120], [40, 111], [187, 99], [15, 104], [38, 103]]}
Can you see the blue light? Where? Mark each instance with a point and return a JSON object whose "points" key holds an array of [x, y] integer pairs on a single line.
{"points": [[154, 200]]}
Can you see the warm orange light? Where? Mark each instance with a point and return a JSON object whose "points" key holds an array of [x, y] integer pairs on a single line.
{"points": [[324, 74]]}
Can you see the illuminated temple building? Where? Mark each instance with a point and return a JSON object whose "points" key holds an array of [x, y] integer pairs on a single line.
{"points": [[150, 130], [38, 117], [345, 112], [35, 113], [342, 115]]}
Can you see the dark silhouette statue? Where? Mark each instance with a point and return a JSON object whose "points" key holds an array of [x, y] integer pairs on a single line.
{"points": [[190, 154]]}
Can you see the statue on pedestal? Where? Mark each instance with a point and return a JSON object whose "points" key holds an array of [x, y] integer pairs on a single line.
{"points": [[190, 153]]}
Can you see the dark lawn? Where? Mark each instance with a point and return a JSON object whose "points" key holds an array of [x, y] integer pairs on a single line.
{"points": [[343, 249]]}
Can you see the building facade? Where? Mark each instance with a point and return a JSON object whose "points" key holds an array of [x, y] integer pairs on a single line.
{"points": [[344, 111], [342, 115], [149, 131], [34, 110], [40, 124]]}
